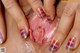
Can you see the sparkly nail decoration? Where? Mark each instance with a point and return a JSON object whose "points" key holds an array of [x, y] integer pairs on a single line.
{"points": [[0, 38], [24, 33], [71, 43], [41, 12], [54, 46]]}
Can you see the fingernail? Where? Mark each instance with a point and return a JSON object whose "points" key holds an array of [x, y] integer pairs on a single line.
{"points": [[0, 38], [49, 19], [24, 33], [54, 46], [71, 43], [41, 12]]}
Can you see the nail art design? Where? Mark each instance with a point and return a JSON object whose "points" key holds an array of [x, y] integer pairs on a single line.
{"points": [[71, 43], [41, 12], [24, 33], [49, 19], [54, 46], [0, 38]]}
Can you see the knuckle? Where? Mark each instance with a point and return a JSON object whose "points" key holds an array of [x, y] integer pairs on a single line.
{"points": [[76, 28], [62, 33], [68, 12], [34, 1], [9, 3]]}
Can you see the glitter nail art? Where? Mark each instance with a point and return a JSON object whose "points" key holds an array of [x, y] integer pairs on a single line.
{"points": [[0, 38], [54, 46], [71, 43], [41, 12], [24, 33]]}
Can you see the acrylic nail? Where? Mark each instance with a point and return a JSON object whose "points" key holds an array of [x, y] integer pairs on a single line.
{"points": [[49, 19], [24, 33], [0, 38], [71, 43], [41, 12], [54, 46]]}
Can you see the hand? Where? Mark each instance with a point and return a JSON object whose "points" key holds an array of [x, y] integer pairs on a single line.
{"points": [[68, 26], [2, 26], [17, 14], [43, 9]]}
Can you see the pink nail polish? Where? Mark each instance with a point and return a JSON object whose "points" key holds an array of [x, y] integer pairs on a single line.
{"points": [[41, 12], [49, 18], [54, 46], [1, 38], [71, 43], [24, 33]]}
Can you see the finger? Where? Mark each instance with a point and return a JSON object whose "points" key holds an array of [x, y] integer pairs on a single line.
{"points": [[64, 26], [37, 6], [13, 8], [50, 8], [2, 27], [74, 38]]}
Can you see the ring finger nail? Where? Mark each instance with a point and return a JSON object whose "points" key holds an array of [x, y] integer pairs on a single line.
{"points": [[41, 12], [0, 38], [24, 33], [71, 43], [54, 46]]}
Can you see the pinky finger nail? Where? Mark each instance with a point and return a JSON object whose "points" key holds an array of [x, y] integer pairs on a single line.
{"points": [[54, 46], [24, 33], [71, 43], [0, 38]]}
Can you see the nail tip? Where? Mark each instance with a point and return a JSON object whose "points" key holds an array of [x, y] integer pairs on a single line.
{"points": [[53, 48], [24, 34], [68, 49], [70, 43]]}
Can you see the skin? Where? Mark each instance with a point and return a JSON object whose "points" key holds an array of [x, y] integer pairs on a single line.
{"points": [[15, 44], [67, 18]]}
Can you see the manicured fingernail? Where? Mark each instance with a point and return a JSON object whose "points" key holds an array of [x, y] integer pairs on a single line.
{"points": [[41, 12], [0, 38], [54, 46], [24, 33], [49, 19], [71, 43]]}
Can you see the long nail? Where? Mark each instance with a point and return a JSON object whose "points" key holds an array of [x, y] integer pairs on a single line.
{"points": [[41, 12], [24, 33], [1, 38], [54, 46], [71, 43]]}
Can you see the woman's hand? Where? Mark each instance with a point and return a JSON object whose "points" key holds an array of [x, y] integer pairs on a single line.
{"points": [[43, 9], [13, 7], [68, 26], [17, 14], [2, 26]]}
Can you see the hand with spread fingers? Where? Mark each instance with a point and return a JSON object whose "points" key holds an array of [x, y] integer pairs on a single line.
{"points": [[68, 27], [44, 28], [13, 7]]}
